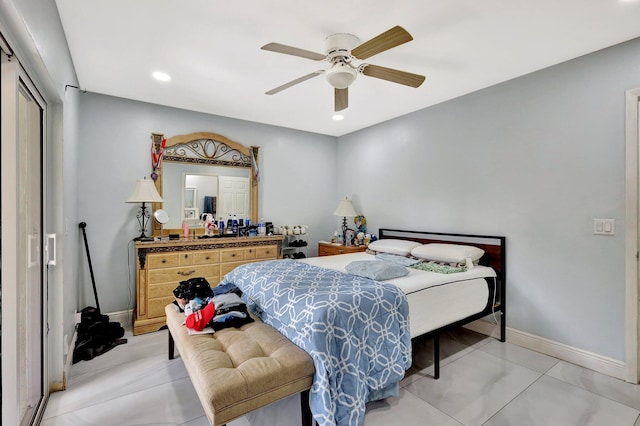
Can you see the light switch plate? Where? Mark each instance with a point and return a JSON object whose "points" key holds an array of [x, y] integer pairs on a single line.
{"points": [[604, 226]]}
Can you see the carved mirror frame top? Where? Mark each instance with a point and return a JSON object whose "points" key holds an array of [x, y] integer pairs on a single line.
{"points": [[207, 148]]}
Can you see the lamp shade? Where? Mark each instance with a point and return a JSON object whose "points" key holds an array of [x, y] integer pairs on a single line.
{"points": [[144, 192], [345, 208]]}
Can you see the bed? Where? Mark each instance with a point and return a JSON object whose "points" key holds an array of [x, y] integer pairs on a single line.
{"points": [[447, 301], [358, 330]]}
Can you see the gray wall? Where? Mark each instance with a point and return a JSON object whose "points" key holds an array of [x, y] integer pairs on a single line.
{"points": [[535, 159], [298, 181]]}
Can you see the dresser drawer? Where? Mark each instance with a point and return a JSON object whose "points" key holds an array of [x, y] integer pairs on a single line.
{"points": [[162, 260], [231, 255], [206, 257], [266, 252], [225, 268], [160, 290], [156, 306], [175, 275], [185, 258], [325, 249], [250, 253]]}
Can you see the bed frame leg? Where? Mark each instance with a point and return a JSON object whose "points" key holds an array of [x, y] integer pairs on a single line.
{"points": [[172, 345], [436, 357]]}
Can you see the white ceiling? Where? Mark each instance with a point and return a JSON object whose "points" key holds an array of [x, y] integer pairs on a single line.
{"points": [[212, 51]]}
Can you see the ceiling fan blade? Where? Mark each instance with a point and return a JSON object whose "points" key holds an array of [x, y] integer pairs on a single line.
{"points": [[289, 50], [385, 41], [294, 82], [341, 99], [395, 76]]}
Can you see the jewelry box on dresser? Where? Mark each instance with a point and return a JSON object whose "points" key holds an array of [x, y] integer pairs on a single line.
{"points": [[161, 266]]}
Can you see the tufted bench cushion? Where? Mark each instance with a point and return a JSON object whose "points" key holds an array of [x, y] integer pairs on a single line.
{"points": [[237, 370]]}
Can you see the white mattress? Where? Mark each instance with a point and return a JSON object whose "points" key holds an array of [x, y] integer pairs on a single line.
{"points": [[435, 300]]}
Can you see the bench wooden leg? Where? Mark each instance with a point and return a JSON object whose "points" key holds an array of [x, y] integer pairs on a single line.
{"points": [[307, 418], [172, 345]]}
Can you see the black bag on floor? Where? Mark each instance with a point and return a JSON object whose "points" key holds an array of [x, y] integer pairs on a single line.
{"points": [[96, 335]]}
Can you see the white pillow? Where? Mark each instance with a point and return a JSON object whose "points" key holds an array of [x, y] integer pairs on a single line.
{"points": [[448, 253], [393, 246]]}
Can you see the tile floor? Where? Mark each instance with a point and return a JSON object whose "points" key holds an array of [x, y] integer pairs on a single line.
{"points": [[482, 382]]}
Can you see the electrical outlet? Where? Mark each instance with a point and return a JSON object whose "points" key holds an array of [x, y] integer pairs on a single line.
{"points": [[78, 317]]}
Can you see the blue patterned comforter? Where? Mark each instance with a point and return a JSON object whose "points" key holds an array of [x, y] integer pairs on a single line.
{"points": [[355, 329]]}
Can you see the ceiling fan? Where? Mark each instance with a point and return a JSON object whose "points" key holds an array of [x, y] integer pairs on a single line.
{"points": [[346, 53]]}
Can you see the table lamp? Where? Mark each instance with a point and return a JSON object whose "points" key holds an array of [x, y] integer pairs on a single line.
{"points": [[144, 192], [345, 209]]}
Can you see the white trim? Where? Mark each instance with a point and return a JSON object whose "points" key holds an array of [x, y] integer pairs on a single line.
{"points": [[15, 79], [9, 157], [66, 369], [125, 318], [632, 162], [601, 364]]}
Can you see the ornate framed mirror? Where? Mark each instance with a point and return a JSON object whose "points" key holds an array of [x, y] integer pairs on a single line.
{"points": [[223, 171]]}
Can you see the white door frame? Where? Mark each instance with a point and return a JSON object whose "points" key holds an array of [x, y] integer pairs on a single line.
{"points": [[632, 217], [13, 76]]}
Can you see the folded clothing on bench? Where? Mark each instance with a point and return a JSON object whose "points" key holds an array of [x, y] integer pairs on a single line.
{"points": [[219, 307]]}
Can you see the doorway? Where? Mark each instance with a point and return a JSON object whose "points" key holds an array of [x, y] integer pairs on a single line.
{"points": [[22, 282], [632, 236]]}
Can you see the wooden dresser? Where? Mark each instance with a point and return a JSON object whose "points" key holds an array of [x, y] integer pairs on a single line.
{"points": [[330, 249], [161, 266]]}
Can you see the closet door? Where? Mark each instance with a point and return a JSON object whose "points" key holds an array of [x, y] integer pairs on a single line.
{"points": [[22, 285]]}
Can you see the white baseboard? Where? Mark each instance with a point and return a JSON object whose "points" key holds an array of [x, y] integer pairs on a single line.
{"points": [[125, 318], [69, 360], [595, 362]]}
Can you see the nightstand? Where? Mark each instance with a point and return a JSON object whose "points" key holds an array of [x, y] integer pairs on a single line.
{"points": [[330, 249]]}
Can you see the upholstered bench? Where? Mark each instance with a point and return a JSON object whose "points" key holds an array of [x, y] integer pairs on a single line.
{"points": [[237, 370]]}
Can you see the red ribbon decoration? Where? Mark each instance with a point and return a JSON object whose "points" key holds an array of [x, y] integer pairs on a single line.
{"points": [[156, 157]]}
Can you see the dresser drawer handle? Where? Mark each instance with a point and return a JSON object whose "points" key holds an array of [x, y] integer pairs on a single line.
{"points": [[186, 274], [164, 260], [207, 258], [186, 256], [233, 255]]}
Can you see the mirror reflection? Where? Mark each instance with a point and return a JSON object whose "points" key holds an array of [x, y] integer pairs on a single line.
{"points": [[189, 190]]}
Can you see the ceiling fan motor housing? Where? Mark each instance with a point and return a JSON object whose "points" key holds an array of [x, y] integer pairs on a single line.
{"points": [[339, 45], [337, 48]]}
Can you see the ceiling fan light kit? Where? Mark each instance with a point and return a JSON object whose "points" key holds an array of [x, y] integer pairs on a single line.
{"points": [[342, 50], [341, 75]]}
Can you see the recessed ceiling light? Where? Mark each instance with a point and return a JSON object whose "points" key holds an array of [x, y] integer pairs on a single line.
{"points": [[338, 117], [161, 76]]}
